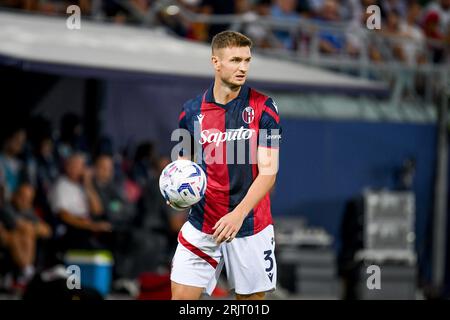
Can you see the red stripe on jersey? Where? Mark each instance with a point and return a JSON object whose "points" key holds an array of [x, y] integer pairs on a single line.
{"points": [[261, 212], [182, 115], [196, 251], [218, 191], [272, 114], [254, 125]]}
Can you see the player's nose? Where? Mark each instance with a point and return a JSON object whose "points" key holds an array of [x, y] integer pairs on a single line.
{"points": [[243, 67]]}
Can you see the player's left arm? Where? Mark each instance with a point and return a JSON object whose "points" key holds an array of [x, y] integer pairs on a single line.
{"points": [[228, 226], [267, 157]]}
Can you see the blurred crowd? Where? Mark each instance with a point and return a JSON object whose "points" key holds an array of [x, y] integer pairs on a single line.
{"points": [[413, 31], [59, 194]]}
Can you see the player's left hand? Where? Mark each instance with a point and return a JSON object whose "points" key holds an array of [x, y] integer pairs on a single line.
{"points": [[228, 226]]}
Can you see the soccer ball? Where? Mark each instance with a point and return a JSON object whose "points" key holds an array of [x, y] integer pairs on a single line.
{"points": [[182, 183]]}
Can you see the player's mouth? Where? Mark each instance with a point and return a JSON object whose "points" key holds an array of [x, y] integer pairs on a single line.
{"points": [[241, 77]]}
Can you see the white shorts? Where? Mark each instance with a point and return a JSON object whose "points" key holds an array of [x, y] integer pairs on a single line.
{"points": [[249, 261]]}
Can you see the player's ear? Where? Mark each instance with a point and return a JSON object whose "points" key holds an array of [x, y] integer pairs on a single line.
{"points": [[215, 62]]}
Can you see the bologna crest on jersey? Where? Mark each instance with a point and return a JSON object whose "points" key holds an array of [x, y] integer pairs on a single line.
{"points": [[248, 115]]}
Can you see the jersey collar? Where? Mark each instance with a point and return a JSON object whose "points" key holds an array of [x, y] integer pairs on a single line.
{"points": [[243, 94]]}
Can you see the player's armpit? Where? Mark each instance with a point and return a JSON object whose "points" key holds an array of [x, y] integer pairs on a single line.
{"points": [[268, 159]]}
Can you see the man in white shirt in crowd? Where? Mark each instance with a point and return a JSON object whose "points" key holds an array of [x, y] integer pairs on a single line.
{"points": [[74, 200]]}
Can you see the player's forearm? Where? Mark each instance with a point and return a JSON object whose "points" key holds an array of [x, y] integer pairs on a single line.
{"points": [[258, 189]]}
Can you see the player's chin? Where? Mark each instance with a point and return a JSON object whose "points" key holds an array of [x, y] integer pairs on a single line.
{"points": [[239, 81]]}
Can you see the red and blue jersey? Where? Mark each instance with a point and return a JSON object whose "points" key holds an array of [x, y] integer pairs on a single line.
{"points": [[226, 138]]}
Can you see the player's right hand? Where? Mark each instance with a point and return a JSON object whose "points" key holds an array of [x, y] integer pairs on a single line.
{"points": [[228, 226]]}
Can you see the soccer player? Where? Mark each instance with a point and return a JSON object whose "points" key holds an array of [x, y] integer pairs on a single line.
{"points": [[237, 131]]}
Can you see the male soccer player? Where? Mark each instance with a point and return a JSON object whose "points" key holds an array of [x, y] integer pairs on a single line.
{"points": [[237, 132]]}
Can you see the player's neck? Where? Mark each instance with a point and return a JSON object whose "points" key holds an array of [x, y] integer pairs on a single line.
{"points": [[223, 93]]}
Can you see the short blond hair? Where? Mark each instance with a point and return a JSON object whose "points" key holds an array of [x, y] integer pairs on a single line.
{"points": [[230, 39]]}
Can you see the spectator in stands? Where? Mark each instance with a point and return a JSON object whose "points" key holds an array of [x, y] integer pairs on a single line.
{"points": [[435, 38], [441, 8], [11, 166], [394, 37], [257, 32], [74, 200], [262, 7], [47, 167], [120, 213], [350, 10], [20, 228], [414, 45], [251, 11], [358, 8], [315, 6], [39, 144], [114, 205], [358, 39], [285, 10], [330, 42], [435, 27]]}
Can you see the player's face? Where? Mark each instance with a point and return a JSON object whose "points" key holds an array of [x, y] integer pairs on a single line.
{"points": [[232, 65]]}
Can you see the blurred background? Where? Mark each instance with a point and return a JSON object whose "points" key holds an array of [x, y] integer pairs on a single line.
{"points": [[87, 122]]}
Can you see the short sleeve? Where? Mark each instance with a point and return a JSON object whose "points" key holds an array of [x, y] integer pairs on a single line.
{"points": [[269, 125]]}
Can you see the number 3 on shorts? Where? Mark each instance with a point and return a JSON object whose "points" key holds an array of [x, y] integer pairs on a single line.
{"points": [[268, 257]]}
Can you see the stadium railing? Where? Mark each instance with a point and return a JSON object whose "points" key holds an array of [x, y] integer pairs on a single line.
{"points": [[420, 83]]}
